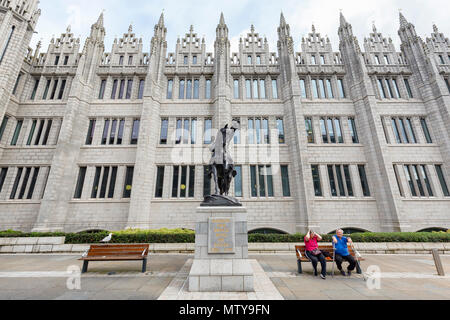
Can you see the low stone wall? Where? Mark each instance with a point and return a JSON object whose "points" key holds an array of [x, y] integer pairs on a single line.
{"points": [[56, 245]]}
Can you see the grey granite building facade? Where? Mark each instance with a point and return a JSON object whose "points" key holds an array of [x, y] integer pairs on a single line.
{"points": [[89, 139]]}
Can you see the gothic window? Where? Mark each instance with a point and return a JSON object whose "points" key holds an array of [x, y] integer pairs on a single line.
{"points": [[196, 88], [397, 91], [36, 85], [363, 178], [189, 89], [236, 88], [207, 133], [316, 180], [129, 89], [185, 60], [322, 59], [248, 88], [16, 84], [329, 89], [237, 134], [61, 89], [309, 130], [377, 59], [169, 89], [249, 59], [11, 32], [91, 130], [102, 89], [386, 59], [164, 131], [66, 60], [262, 181], [130, 60], [105, 179], [194, 60], [341, 89], [208, 89], [33, 128], [303, 88], [403, 130], [16, 132], [238, 182], [313, 59], [21, 185], [121, 88], [314, 88], [255, 89], [128, 184], [442, 181], [3, 126], [135, 131], [441, 58], [262, 88], [353, 131], [141, 88], [159, 181], [56, 60], [121, 60], [426, 132], [186, 131], [274, 89], [280, 127], [381, 89], [114, 89], [258, 59], [447, 83], [80, 183], [47, 87], [181, 91], [397, 178], [408, 88], [55, 85], [331, 130], [183, 183], [285, 181], [388, 85]]}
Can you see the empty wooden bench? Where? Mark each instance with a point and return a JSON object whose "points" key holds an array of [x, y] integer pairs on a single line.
{"points": [[116, 252], [301, 256]]}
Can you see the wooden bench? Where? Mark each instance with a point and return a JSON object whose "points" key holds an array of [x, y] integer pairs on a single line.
{"points": [[116, 252], [301, 256]]}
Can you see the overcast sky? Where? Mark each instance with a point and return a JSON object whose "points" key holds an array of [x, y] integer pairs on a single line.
{"points": [[239, 15]]}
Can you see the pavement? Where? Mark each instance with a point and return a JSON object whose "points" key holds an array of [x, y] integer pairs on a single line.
{"points": [[45, 277]]}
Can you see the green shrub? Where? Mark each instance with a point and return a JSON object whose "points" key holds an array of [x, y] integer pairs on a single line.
{"points": [[188, 236]]}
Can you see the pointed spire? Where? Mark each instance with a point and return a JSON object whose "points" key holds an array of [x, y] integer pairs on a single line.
{"points": [[342, 20], [100, 20], [313, 29], [130, 28], [435, 28], [403, 21], [374, 28], [252, 28], [282, 20], [222, 20], [161, 20], [68, 29]]}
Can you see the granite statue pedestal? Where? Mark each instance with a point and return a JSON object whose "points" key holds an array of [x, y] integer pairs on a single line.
{"points": [[221, 251]]}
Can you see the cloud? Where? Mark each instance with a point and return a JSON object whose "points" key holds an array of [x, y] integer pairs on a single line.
{"points": [[239, 15]]}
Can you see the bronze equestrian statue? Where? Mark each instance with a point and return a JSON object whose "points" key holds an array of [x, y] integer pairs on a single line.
{"points": [[222, 168]]}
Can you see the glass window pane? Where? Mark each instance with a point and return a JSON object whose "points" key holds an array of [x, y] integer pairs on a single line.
{"points": [[16, 132], [411, 130], [314, 88], [98, 171], [331, 130], [337, 124], [236, 89], [114, 89], [255, 89], [181, 91], [128, 186], [403, 130], [160, 182], [408, 88], [340, 180], [206, 181], [193, 131], [333, 188], [112, 182], [418, 182], [381, 89], [207, 133], [442, 181], [135, 131], [309, 130], [189, 89], [258, 130], [330, 89], [322, 89], [303, 88], [364, 183], [169, 89], [423, 171], [191, 181], [262, 88], [323, 130], [285, 181], [274, 89], [316, 180], [348, 180], [341, 88], [164, 131], [141, 89], [176, 170], [396, 132], [248, 88], [208, 89], [251, 133], [426, 132], [253, 181], [281, 135], [269, 179], [410, 182], [238, 182], [262, 184], [80, 183], [353, 132]]}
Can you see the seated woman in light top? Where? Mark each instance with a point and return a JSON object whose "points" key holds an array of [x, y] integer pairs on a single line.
{"points": [[314, 254]]}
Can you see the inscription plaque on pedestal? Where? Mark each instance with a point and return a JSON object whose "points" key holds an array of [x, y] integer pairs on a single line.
{"points": [[221, 235]]}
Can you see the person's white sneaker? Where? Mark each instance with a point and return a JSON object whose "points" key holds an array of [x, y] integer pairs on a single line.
{"points": [[322, 276]]}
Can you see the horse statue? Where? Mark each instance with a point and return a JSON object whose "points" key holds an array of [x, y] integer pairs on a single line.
{"points": [[222, 168]]}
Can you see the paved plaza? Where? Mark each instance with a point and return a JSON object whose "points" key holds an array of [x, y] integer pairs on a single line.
{"points": [[45, 277]]}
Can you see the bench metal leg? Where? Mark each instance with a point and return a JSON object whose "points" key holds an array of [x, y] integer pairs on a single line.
{"points": [[358, 268], [144, 266], [299, 266], [85, 266]]}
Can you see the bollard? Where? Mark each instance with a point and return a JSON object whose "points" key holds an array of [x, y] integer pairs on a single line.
{"points": [[438, 262]]}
